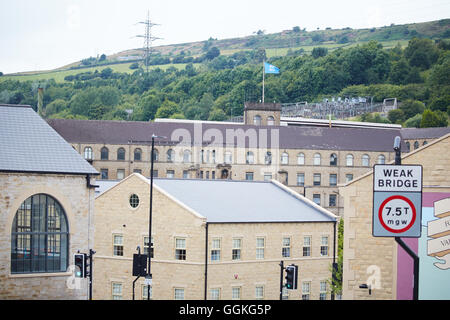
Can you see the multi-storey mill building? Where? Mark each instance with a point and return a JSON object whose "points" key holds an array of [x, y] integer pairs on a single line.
{"points": [[309, 156]]}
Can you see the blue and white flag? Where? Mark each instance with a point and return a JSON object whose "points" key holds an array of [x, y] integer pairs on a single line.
{"points": [[268, 68]]}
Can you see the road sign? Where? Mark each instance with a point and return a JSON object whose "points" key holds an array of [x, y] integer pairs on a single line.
{"points": [[397, 201]]}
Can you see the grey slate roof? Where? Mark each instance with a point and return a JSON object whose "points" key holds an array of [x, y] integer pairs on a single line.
{"points": [[29, 144], [122, 132], [424, 133], [223, 201]]}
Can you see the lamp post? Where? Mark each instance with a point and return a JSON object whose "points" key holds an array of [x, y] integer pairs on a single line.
{"points": [[148, 277]]}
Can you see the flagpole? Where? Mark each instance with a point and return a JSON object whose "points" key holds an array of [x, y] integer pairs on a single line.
{"points": [[264, 71]]}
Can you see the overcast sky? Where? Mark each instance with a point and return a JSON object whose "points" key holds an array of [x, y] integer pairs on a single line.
{"points": [[46, 34]]}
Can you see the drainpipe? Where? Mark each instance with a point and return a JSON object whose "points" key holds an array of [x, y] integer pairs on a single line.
{"points": [[206, 261]]}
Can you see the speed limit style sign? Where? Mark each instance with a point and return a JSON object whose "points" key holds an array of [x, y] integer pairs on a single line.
{"points": [[397, 201]]}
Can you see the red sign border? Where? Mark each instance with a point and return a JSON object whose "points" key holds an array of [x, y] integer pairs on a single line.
{"points": [[380, 212]]}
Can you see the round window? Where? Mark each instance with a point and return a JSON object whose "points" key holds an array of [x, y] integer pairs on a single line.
{"points": [[134, 200]]}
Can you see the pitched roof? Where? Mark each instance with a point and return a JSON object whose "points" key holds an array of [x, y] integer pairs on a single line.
{"points": [[123, 132], [29, 144], [229, 201], [424, 133]]}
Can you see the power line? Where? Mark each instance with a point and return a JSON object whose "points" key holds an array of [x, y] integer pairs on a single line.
{"points": [[148, 39]]}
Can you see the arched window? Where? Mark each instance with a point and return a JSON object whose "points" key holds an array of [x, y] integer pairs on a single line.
{"points": [[284, 158], [424, 143], [408, 147], [381, 159], [416, 145], [137, 154], [39, 236], [333, 159], [250, 159], [301, 158], [104, 153], [349, 160], [317, 159], [88, 153], [270, 121], [155, 155], [228, 157], [365, 160], [121, 154], [186, 156], [257, 120], [170, 155]]}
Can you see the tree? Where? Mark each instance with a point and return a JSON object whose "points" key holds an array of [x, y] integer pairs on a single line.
{"points": [[102, 57], [413, 122], [319, 52], [433, 119], [212, 53], [396, 116], [411, 107], [421, 53], [217, 114], [296, 29], [167, 109], [336, 282]]}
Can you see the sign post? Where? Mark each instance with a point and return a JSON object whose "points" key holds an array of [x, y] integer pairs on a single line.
{"points": [[397, 205]]}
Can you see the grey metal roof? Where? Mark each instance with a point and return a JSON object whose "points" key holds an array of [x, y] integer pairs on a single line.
{"points": [[29, 144], [290, 137], [225, 201]]}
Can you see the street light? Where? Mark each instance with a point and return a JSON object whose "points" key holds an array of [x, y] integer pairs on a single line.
{"points": [[148, 277]]}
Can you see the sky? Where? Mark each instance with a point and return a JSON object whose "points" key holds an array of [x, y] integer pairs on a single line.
{"points": [[47, 34]]}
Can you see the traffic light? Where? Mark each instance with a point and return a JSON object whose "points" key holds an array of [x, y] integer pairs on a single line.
{"points": [[140, 265], [80, 265], [291, 277]]}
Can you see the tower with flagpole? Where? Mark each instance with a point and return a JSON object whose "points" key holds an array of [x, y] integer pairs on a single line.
{"points": [[268, 68]]}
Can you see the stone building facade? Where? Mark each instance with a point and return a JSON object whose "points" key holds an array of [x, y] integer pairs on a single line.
{"points": [[379, 261], [215, 255], [46, 207]]}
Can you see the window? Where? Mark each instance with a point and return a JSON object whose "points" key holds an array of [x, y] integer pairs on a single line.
{"points": [[333, 179], [134, 200], [301, 159], [270, 121], [214, 294], [121, 154], [137, 154], [146, 246], [236, 250], [257, 120], [324, 246], [117, 245], [260, 248], [284, 158], [286, 247], [186, 174], [170, 173], [137, 171], [236, 293], [104, 174], [180, 249], [116, 289], [381, 159], [317, 159], [179, 294], [213, 156], [170, 155], [268, 158], [332, 200], [267, 176], [88, 153], [201, 174], [40, 236], [228, 157], [186, 156], [250, 159], [424, 143], [333, 159], [301, 179], [416, 145], [213, 175], [259, 292], [408, 147], [316, 198], [155, 173], [155, 155], [249, 176], [348, 177], [307, 246], [306, 290], [316, 179], [120, 174], [207, 174], [145, 292], [104, 153], [215, 250], [349, 160], [323, 290], [365, 160]]}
